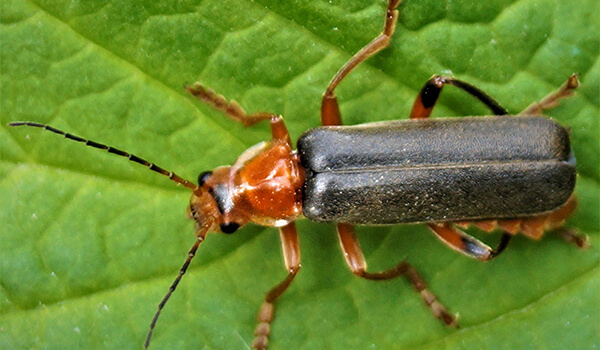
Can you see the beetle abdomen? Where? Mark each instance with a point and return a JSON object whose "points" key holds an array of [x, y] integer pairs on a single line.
{"points": [[436, 170]]}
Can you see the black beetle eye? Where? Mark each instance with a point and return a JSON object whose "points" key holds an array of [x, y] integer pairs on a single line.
{"points": [[229, 227], [203, 177]]}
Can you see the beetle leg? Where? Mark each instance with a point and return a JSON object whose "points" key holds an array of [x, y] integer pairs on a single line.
{"points": [[229, 108], [532, 227], [429, 94], [291, 255], [330, 111], [571, 236], [467, 244], [553, 99], [279, 130], [557, 218], [552, 222], [358, 265], [237, 113]]}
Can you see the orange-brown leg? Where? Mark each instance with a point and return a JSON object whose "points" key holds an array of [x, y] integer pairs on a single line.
{"points": [[467, 244], [532, 227], [535, 226], [330, 111], [357, 264], [553, 99], [237, 113], [557, 218], [229, 108], [570, 235], [428, 96], [291, 255]]}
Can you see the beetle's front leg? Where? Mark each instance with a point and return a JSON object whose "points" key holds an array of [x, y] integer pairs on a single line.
{"points": [[229, 108], [237, 113], [357, 264], [291, 256]]}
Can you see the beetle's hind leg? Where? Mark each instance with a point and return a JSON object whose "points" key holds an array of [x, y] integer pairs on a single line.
{"points": [[532, 227], [467, 244], [570, 235], [428, 96], [330, 111], [357, 264], [553, 99]]}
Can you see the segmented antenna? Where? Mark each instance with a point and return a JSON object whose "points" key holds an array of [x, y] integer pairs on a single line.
{"points": [[201, 234], [171, 175], [200, 238]]}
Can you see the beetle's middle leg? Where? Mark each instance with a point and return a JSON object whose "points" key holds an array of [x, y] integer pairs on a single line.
{"points": [[428, 96], [357, 264], [330, 111]]}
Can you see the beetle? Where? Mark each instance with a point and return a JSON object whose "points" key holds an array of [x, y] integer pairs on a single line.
{"points": [[272, 185]]}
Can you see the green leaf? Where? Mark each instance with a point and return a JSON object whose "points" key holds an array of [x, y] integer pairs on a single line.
{"points": [[90, 243]]}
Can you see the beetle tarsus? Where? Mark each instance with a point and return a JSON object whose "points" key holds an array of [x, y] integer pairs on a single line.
{"points": [[230, 108], [263, 329], [570, 235], [412, 275], [553, 99], [267, 312], [357, 264], [439, 311], [291, 255]]}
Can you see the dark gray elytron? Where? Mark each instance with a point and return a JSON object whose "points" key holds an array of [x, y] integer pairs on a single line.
{"points": [[425, 170]]}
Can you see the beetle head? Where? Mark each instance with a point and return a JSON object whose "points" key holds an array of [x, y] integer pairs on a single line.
{"points": [[213, 204]]}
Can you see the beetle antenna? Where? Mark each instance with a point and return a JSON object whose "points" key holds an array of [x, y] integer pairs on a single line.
{"points": [[200, 235], [171, 175]]}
